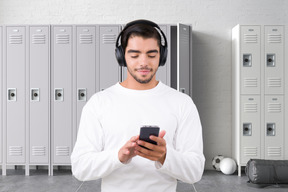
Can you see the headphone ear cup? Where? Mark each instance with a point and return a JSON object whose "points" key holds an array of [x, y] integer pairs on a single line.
{"points": [[119, 53], [163, 56]]}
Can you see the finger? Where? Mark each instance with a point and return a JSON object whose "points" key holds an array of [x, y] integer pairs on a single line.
{"points": [[162, 133], [160, 141]]}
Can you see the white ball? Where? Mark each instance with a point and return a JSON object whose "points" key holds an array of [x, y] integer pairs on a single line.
{"points": [[227, 166], [216, 162]]}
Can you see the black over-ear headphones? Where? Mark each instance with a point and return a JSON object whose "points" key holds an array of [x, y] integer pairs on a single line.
{"points": [[120, 52]]}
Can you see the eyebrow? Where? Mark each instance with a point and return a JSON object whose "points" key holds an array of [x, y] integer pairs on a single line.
{"points": [[136, 51]]}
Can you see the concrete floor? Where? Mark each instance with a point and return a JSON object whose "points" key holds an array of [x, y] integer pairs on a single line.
{"points": [[62, 181]]}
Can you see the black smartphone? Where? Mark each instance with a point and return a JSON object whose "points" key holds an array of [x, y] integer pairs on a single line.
{"points": [[146, 131]]}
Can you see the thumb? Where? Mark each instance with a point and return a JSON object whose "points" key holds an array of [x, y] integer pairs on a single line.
{"points": [[162, 133]]}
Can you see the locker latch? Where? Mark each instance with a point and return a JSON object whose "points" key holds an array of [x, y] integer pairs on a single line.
{"points": [[182, 90], [247, 129], [35, 95], [59, 94], [247, 60], [270, 60], [270, 129], [12, 96], [82, 95]]}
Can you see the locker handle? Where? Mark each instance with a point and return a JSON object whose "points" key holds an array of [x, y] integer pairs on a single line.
{"points": [[12, 94], [82, 94], [59, 94], [35, 93]]}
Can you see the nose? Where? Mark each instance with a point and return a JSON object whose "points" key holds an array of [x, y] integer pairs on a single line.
{"points": [[143, 60]]}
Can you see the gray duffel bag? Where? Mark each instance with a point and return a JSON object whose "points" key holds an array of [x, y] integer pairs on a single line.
{"points": [[267, 172]]}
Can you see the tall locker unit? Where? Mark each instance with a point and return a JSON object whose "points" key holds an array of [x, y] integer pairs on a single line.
{"points": [[1, 83], [85, 67], [61, 94], [274, 92], [38, 88], [258, 93], [109, 71], [246, 54], [14, 111], [181, 58]]}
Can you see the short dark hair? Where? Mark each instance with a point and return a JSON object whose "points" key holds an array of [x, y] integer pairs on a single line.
{"points": [[142, 30]]}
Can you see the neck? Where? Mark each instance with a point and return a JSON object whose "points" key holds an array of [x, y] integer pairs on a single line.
{"points": [[133, 84]]}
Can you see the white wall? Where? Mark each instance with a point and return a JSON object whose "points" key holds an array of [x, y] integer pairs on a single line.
{"points": [[212, 21]]}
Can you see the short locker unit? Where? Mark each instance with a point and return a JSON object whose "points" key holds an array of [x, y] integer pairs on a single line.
{"points": [[258, 93], [59, 67]]}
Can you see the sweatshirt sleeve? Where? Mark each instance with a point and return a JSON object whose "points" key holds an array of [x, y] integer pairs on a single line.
{"points": [[88, 160], [184, 158]]}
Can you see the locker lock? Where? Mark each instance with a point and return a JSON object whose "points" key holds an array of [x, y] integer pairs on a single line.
{"points": [[247, 129], [247, 60], [270, 60], [82, 94], [35, 94], [12, 94], [59, 94], [270, 129]]}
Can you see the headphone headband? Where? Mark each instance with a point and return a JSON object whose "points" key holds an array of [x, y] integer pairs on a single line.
{"points": [[120, 52]]}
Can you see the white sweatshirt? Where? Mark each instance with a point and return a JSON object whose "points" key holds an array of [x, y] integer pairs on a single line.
{"points": [[111, 117]]}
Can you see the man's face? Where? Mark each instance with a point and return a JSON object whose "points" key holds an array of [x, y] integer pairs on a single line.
{"points": [[142, 58]]}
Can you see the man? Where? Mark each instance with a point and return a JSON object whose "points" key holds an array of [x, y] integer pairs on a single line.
{"points": [[108, 144]]}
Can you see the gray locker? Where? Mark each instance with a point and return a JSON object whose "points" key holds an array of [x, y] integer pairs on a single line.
{"points": [[109, 71], [250, 136], [184, 59], [39, 94], [15, 67], [274, 127], [274, 59], [61, 111], [86, 47], [250, 75]]}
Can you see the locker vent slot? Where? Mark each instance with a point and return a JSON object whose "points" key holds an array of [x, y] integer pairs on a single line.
{"points": [[274, 151], [38, 151], [250, 38], [274, 82], [250, 82], [86, 39], [274, 108], [274, 38], [184, 39], [250, 151], [15, 39], [38, 39], [250, 107], [62, 38], [15, 151], [62, 151], [108, 38]]}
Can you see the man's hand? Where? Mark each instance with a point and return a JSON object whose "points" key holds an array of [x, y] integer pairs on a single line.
{"points": [[156, 152], [127, 151]]}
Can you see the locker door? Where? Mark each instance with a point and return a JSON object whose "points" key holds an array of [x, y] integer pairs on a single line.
{"points": [[86, 66], [1, 100], [250, 128], [184, 60], [110, 71], [274, 127], [39, 117], [62, 134], [274, 59], [250, 59], [15, 112]]}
